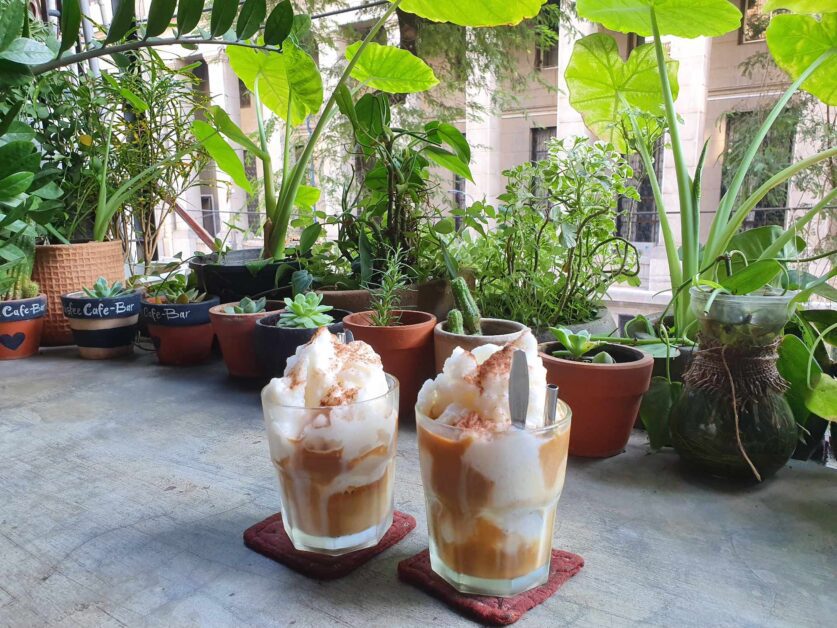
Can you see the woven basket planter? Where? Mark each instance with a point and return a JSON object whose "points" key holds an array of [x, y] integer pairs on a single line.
{"points": [[64, 268]]}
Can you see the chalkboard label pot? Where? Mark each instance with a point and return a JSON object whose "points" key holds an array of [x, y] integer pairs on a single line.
{"points": [[21, 326], [103, 328]]}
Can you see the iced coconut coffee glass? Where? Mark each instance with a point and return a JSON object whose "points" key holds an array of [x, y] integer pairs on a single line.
{"points": [[491, 487], [332, 425]]}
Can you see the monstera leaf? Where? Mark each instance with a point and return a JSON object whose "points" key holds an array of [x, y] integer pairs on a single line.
{"points": [[474, 12], [796, 41], [289, 82], [390, 69], [682, 18], [802, 6], [599, 81]]}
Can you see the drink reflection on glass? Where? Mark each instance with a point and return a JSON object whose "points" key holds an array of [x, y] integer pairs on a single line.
{"points": [[332, 424], [491, 488]]}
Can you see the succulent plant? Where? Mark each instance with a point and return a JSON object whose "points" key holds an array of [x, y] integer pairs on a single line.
{"points": [[466, 304], [101, 289], [578, 345], [305, 311], [247, 306], [178, 289], [455, 322]]}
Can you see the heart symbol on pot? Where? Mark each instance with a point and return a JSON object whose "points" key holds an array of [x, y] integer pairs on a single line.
{"points": [[12, 341]]}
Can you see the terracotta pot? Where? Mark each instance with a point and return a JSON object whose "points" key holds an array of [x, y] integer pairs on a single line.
{"points": [[103, 328], [406, 350], [495, 331], [349, 300], [235, 335], [274, 345], [604, 398], [182, 333], [64, 268], [21, 325]]}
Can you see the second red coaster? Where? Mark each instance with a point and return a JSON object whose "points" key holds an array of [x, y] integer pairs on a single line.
{"points": [[269, 538], [487, 609]]}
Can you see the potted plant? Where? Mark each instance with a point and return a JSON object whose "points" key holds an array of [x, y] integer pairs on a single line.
{"points": [[22, 309], [277, 336], [403, 338], [552, 254], [234, 325], [465, 327], [103, 318], [602, 383], [177, 315]]}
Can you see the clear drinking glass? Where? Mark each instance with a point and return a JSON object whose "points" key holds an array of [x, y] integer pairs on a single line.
{"points": [[491, 499], [336, 469]]}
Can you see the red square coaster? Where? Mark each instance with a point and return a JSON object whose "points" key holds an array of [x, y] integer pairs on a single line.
{"points": [[269, 538], [484, 609]]}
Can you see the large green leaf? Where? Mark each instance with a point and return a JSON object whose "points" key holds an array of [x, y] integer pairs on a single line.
{"points": [[682, 18], [188, 15], [753, 277], [229, 128], [159, 17], [474, 12], [223, 14], [598, 81], [802, 6], [793, 367], [11, 22], [448, 160], [122, 22], [279, 24], [753, 242], [655, 409], [70, 22], [15, 184], [796, 41], [290, 77], [822, 398], [450, 135], [390, 69], [823, 320], [224, 155], [250, 19], [27, 51]]}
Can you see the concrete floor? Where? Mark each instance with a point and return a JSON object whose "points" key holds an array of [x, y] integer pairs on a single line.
{"points": [[125, 488]]}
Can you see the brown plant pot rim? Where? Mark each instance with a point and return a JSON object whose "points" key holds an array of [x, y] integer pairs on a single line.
{"points": [[364, 319], [644, 359], [218, 311], [514, 328]]}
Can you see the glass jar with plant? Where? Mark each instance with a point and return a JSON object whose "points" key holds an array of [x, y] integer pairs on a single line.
{"points": [[553, 253], [278, 335], [618, 375], [234, 325], [104, 319], [402, 337]]}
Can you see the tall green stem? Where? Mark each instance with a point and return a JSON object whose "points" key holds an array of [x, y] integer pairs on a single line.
{"points": [[778, 246], [267, 162], [286, 198]]}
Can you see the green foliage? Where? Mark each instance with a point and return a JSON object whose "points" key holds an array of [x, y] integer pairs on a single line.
{"points": [[177, 288], [655, 409], [305, 311], [247, 306], [386, 297], [101, 289], [797, 41], [474, 12], [552, 255], [391, 70], [576, 345], [467, 307], [681, 18], [602, 86]]}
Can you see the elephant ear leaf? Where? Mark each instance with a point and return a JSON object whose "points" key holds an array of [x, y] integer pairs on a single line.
{"points": [[681, 18], [797, 41], [801, 6], [391, 69], [474, 12], [601, 84]]}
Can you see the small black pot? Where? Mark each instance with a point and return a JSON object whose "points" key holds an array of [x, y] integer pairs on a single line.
{"points": [[103, 328], [231, 280], [274, 345]]}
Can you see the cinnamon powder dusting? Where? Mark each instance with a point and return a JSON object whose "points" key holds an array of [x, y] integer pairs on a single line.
{"points": [[498, 363]]}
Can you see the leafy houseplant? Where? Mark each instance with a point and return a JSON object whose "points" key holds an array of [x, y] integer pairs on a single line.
{"points": [[235, 326], [618, 375], [553, 254], [104, 319], [177, 314], [277, 336], [402, 337]]}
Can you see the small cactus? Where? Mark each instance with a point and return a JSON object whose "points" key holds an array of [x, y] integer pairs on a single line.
{"points": [[29, 289], [468, 306], [455, 325]]}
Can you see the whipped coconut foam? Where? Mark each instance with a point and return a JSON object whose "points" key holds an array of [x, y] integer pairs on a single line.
{"points": [[473, 388]]}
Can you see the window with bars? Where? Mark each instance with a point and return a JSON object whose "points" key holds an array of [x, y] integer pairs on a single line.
{"points": [[547, 57], [637, 221], [539, 139]]}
